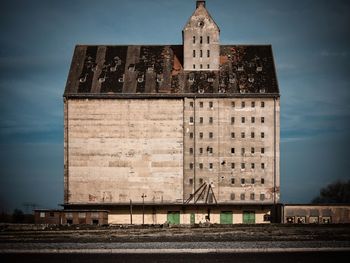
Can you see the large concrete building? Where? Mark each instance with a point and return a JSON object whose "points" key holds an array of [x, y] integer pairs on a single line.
{"points": [[173, 133]]}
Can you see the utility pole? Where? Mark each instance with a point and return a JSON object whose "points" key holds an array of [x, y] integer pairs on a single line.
{"points": [[130, 211], [143, 208]]}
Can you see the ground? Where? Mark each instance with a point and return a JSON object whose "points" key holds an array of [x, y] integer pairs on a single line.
{"points": [[247, 243]]}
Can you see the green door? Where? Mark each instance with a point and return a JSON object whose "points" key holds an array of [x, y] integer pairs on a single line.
{"points": [[248, 217], [173, 217], [192, 218], [226, 217]]}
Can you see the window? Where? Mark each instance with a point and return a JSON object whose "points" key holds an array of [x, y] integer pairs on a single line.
{"points": [[242, 165], [243, 119], [262, 135], [201, 53], [52, 214], [232, 150], [208, 66], [210, 104], [252, 135], [200, 66], [208, 53], [191, 135], [209, 150], [233, 194], [252, 150], [191, 150], [262, 150], [200, 180], [211, 135], [252, 196], [194, 66], [201, 135], [201, 40], [210, 120], [69, 215], [191, 120], [201, 104], [232, 165], [242, 196], [253, 181], [194, 53], [42, 214], [243, 104], [210, 166], [242, 135], [252, 165], [200, 150], [262, 180], [242, 151], [262, 120], [191, 166], [262, 104], [200, 119], [191, 181], [253, 119], [81, 215], [232, 104], [253, 104], [194, 40], [232, 135], [262, 166], [191, 104], [200, 166], [208, 39], [262, 197], [242, 181], [232, 120]]}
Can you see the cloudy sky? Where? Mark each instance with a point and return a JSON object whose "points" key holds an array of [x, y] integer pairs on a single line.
{"points": [[311, 44]]}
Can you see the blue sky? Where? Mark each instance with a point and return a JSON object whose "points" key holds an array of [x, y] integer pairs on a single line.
{"points": [[311, 44]]}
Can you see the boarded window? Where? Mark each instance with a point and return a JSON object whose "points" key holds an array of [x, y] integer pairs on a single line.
{"points": [[242, 196]]}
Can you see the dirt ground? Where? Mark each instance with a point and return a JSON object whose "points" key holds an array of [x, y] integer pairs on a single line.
{"points": [[160, 233]]}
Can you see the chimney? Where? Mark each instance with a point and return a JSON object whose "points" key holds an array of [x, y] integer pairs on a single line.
{"points": [[199, 3]]}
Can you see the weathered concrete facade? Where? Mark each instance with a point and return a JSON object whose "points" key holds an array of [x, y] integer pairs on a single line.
{"points": [[233, 145], [201, 41], [121, 149]]}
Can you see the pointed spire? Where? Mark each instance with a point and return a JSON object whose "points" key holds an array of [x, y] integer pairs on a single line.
{"points": [[200, 3]]}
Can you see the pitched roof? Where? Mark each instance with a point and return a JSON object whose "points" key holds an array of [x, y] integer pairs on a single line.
{"points": [[112, 71]]}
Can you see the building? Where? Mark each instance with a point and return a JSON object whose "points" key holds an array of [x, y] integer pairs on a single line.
{"points": [[173, 133]]}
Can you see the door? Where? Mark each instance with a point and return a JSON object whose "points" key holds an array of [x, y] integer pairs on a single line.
{"points": [[193, 218], [173, 217], [226, 217], [248, 217]]}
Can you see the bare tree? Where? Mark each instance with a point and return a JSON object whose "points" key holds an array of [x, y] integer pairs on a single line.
{"points": [[337, 192]]}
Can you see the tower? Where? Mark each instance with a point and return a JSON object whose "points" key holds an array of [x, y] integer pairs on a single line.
{"points": [[201, 41]]}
